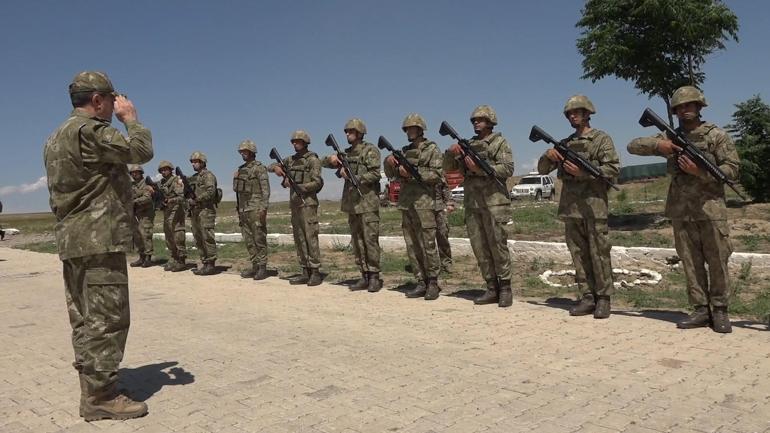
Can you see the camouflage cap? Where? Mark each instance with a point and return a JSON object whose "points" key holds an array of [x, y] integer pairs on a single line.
{"points": [[485, 112], [247, 145], [356, 124], [579, 101], [134, 167], [300, 135], [165, 164], [91, 81], [687, 94], [414, 119], [198, 156]]}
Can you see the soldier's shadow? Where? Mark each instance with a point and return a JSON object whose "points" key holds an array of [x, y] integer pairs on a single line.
{"points": [[469, 294], [560, 303], [143, 382], [403, 288]]}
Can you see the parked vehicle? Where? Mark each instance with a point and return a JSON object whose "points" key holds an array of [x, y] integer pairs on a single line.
{"points": [[534, 185]]}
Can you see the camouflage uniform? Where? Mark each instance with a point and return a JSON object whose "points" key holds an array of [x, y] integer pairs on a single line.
{"points": [[90, 195], [203, 213], [252, 189], [144, 216], [174, 209], [444, 199]]}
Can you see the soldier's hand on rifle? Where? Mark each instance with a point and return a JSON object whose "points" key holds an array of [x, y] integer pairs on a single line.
{"points": [[124, 109], [450, 208], [667, 147], [334, 160], [344, 174], [573, 169], [285, 182], [470, 164], [553, 155], [279, 171], [391, 161], [456, 149], [688, 166], [403, 172]]}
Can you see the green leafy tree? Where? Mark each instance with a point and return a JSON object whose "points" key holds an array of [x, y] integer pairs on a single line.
{"points": [[751, 129], [660, 45]]}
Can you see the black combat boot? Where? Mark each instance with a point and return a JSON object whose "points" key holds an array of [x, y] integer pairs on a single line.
{"points": [[698, 319], [505, 298], [249, 273], [208, 268], [147, 261], [362, 283], [315, 277], [261, 272], [491, 296], [138, 262], [586, 306], [602, 310], [302, 278], [375, 283], [418, 291], [433, 289], [721, 323]]}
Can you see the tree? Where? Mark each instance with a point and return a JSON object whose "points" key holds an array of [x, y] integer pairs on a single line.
{"points": [[751, 129], [660, 45]]}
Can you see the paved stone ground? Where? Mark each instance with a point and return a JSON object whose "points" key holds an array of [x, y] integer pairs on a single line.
{"points": [[223, 354]]}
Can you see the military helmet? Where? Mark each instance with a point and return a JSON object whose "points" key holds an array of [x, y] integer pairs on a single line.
{"points": [[134, 167], [247, 145], [300, 135], [200, 156], [414, 119], [356, 124], [485, 112], [687, 94], [165, 164], [579, 101], [91, 81]]}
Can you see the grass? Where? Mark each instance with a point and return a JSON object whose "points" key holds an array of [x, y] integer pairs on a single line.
{"points": [[40, 247]]}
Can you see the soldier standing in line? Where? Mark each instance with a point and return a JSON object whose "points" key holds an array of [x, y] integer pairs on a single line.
{"points": [[487, 208], [446, 204], [583, 206], [418, 204], [252, 193], [90, 194], [305, 168], [173, 217], [144, 216], [203, 212], [696, 207], [363, 208]]}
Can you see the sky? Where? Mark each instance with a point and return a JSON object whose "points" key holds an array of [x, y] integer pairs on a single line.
{"points": [[206, 75]]}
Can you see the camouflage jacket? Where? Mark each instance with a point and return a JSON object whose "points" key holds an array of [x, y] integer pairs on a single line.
{"points": [[204, 186], [252, 187], [584, 196], [444, 195], [305, 169], [173, 192], [90, 189], [480, 190], [364, 160], [143, 203], [696, 198], [412, 195]]}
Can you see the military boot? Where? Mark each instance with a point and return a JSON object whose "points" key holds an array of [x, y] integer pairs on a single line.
{"points": [[109, 404], [147, 261], [208, 268], [418, 291], [303, 278], [315, 277], [433, 290], [490, 296], [362, 283], [169, 264], [138, 262], [375, 283], [179, 265], [249, 273], [602, 310], [698, 319], [586, 306], [721, 323], [261, 272], [505, 298]]}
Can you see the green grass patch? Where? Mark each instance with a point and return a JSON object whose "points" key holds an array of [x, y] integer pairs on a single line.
{"points": [[40, 247]]}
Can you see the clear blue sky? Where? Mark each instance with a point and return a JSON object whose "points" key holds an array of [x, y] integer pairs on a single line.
{"points": [[206, 75]]}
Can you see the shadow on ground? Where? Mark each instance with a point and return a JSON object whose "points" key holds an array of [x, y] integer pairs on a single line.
{"points": [[143, 382]]}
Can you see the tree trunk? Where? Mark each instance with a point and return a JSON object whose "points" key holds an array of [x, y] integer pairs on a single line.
{"points": [[668, 111]]}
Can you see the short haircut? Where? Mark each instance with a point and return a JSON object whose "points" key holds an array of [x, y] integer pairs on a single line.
{"points": [[81, 99]]}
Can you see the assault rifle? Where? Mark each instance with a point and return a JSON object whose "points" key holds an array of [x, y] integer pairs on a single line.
{"points": [[330, 141], [401, 160], [447, 129], [158, 198], [286, 175], [188, 191], [537, 134], [649, 118]]}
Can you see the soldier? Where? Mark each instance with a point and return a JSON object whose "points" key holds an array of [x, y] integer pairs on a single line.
{"points": [[487, 208], [696, 207], [252, 195], [446, 207], [305, 169], [363, 208], [203, 212], [144, 216], [90, 194], [419, 206], [174, 208], [583, 206]]}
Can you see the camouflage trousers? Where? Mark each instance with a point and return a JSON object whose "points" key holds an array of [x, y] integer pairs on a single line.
{"points": [[202, 224], [254, 232], [699, 243], [489, 241], [589, 245], [143, 233], [173, 229], [304, 222], [419, 226], [442, 240], [96, 290], [365, 239]]}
